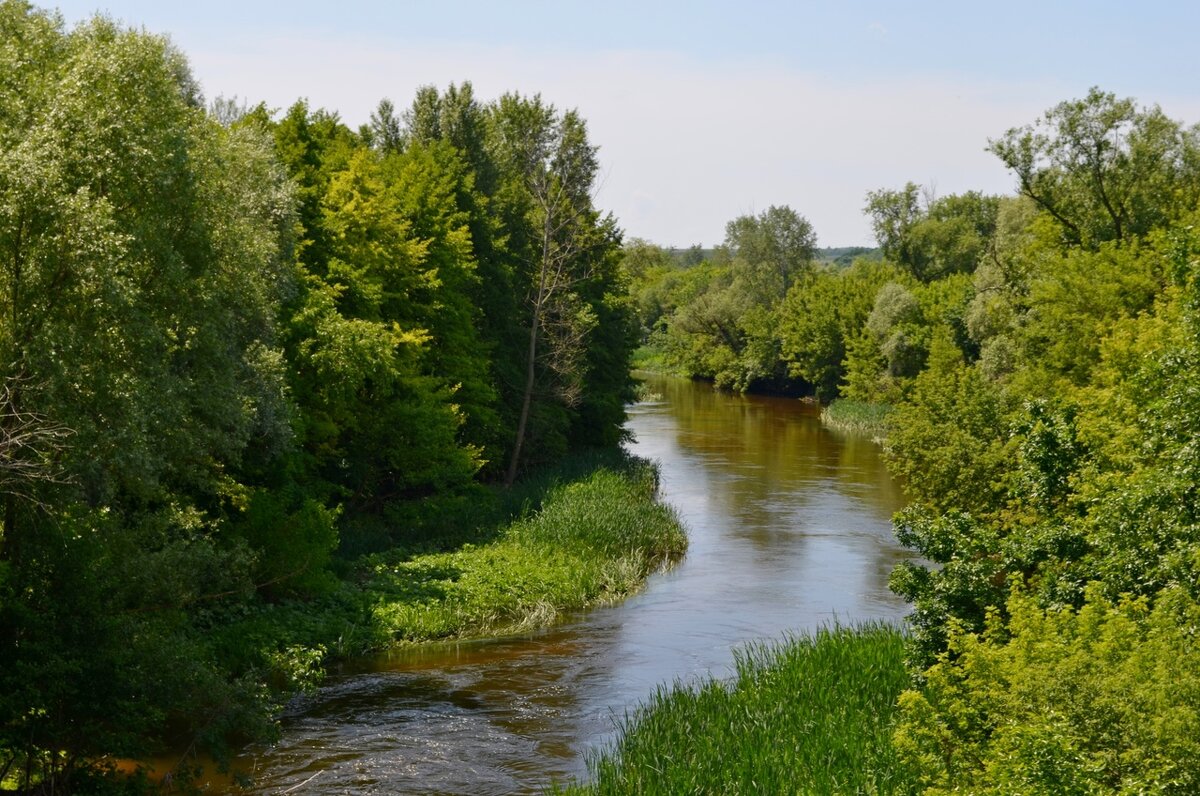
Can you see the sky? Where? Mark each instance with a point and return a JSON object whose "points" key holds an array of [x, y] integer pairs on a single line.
{"points": [[705, 111]]}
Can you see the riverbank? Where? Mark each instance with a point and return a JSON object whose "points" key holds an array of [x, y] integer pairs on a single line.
{"points": [[813, 714], [586, 532]]}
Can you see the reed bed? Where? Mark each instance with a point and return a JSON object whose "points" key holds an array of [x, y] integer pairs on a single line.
{"points": [[813, 714], [593, 540], [857, 417]]}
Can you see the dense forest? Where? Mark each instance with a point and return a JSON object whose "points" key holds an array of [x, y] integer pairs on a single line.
{"points": [[262, 376], [242, 352]]}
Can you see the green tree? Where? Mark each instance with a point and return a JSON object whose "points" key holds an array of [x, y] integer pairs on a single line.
{"points": [[144, 255], [1104, 169], [774, 249], [549, 157], [932, 238], [1062, 701], [820, 317]]}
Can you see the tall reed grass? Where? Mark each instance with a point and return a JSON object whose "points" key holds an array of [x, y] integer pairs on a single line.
{"points": [[857, 417], [593, 540], [813, 714]]}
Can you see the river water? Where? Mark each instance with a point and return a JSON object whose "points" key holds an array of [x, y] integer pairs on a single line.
{"points": [[789, 529]]}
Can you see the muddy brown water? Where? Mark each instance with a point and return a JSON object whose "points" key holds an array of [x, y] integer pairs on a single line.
{"points": [[789, 529]]}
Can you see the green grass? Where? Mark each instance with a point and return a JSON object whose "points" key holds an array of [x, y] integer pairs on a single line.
{"points": [[586, 532], [593, 541], [811, 715], [857, 417]]}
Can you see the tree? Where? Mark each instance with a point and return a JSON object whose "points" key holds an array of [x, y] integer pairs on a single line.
{"points": [[776, 247], [1104, 169], [385, 127], [821, 317], [931, 237], [143, 257], [549, 155]]}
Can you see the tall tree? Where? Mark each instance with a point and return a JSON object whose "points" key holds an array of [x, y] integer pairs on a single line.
{"points": [[143, 255], [549, 156], [777, 246]]}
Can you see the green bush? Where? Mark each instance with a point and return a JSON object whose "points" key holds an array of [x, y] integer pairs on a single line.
{"points": [[1102, 700]]}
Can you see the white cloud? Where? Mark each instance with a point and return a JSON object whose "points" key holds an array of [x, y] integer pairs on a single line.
{"points": [[685, 145]]}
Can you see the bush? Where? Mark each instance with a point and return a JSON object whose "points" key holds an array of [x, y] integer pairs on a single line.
{"points": [[1103, 700]]}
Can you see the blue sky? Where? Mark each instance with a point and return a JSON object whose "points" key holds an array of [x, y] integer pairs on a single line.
{"points": [[705, 110]]}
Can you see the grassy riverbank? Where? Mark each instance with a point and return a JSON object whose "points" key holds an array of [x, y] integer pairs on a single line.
{"points": [[584, 533], [811, 715], [857, 417]]}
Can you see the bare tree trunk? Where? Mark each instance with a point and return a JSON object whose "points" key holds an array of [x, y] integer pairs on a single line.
{"points": [[526, 402], [531, 364]]}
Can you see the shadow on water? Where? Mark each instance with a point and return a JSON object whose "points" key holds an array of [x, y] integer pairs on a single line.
{"points": [[789, 528]]}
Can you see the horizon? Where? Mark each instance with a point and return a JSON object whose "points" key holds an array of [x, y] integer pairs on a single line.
{"points": [[705, 113]]}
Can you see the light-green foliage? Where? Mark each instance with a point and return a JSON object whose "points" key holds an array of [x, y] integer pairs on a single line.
{"points": [[592, 541], [821, 317], [813, 714], [1104, 169], [950, 440], [856, 417], [1102, 700], [720, 319], [932, 238]]}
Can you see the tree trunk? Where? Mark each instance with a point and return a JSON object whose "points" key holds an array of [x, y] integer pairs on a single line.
{"points": [[526, 402]]}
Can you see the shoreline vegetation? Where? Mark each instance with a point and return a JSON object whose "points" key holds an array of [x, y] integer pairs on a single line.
{"points": [[275, 392], [812, 714], [858, 418], [585, 532]]}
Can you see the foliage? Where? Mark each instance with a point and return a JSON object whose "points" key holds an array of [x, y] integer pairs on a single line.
{"points": [[1104, 169], [931, 238], [593, 541], [1105, 699], [229, 337], [821, 316], [719, 319]]}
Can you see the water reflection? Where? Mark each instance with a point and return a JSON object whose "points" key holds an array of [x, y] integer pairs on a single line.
{"points": [[789, 528]]}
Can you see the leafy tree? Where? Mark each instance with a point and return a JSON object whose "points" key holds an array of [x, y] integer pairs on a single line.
{"points": [[384, 127], [932, 238], [1104, 169], [549, 158], [774, 248], [144, 258], [821, 316]]}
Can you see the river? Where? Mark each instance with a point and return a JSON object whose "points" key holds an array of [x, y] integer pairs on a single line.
{"points": [[789, 529]]}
